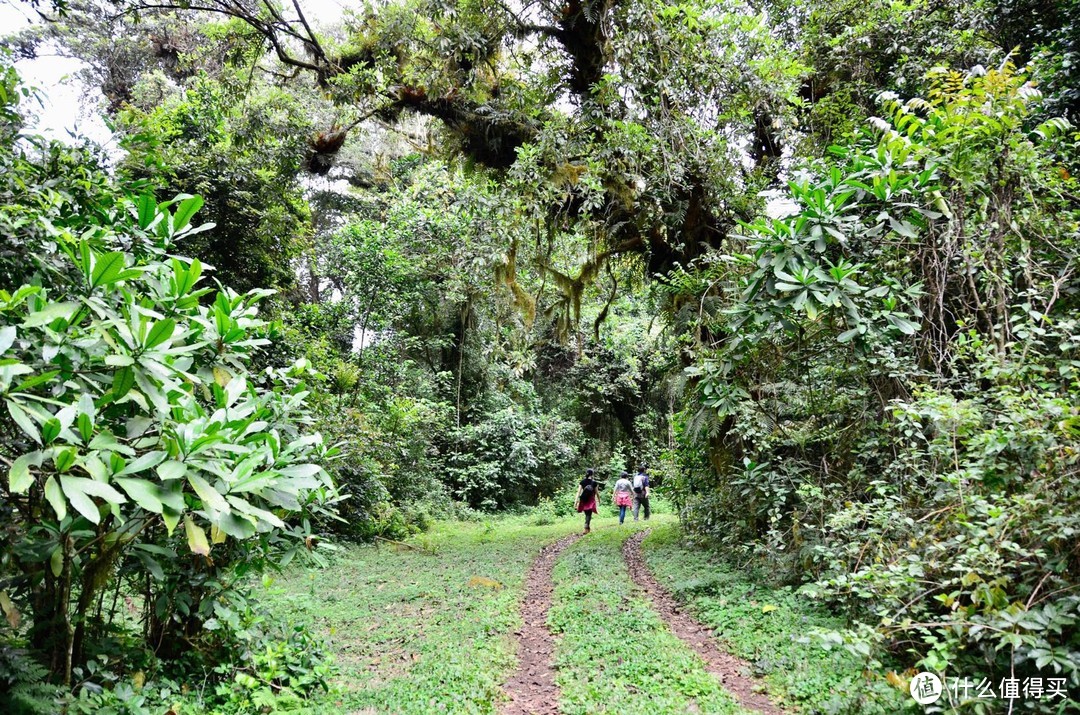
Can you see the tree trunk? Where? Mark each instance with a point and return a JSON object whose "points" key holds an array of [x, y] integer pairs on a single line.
{"points": [[95, 575]]}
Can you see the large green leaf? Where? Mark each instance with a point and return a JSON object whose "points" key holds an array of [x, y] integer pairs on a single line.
{"points": [[281, 499], [93, 488], [144, 462], [147, 210], [171, 518], [902, 324], [185, 211], [144, 493], [209, 496], [107, 269], [49, 313], [34, 381], [119, 360], [162, 331], [64, 458], [123, 381], [303, 476], [78, 491], [246, 507], [85, 424], [254, 483], [50, 430], [192, 276], [171, 470], [236, 525], [55, 497], [19, 477]]}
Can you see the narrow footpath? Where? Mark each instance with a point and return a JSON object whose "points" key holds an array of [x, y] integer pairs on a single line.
{"points": [[532, 689], [727, 668]]}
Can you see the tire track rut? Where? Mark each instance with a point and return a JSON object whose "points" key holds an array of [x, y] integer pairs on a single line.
{"points": [[532, 689], [727, 668]]}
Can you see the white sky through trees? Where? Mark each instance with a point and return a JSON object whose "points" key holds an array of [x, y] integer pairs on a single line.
{"points": [[62, 111], [67, 110]]}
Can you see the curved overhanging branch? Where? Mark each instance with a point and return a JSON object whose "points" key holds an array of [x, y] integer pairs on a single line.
{"points": [[277, 29], [572, 288], [490, 134]]}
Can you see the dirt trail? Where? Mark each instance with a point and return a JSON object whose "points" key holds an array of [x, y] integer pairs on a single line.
{"points": [[532, 689], [727, 668]]}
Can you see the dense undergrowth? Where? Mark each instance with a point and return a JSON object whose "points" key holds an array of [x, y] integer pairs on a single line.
{"points": [[157, 458], [887, 411]]}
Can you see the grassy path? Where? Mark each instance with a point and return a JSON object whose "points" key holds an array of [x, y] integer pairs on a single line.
{"points": [[413, 632], [472, 621], [769, 627], [615, 654], [727, 668], [532, 690]]}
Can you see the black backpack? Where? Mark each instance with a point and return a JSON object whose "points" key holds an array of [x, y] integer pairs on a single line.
{"points": [[588, 490]]}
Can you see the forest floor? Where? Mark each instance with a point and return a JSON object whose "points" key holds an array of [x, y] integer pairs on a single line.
{"points": [[511, 617]]}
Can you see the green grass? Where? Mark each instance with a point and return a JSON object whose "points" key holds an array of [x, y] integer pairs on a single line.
{"points": [[414, 632], [764, 625], [615, 655], [419, 632]]}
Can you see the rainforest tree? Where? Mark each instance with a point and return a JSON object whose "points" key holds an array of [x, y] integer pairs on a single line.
{"points": [[135, 429], [887, 389]]}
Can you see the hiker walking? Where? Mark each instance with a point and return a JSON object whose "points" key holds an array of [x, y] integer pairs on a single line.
{"points": [[586, 497], [623, 495], [641, 493]]}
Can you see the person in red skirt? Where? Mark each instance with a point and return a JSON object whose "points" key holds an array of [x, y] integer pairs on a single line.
{"points": [[586, 497]]}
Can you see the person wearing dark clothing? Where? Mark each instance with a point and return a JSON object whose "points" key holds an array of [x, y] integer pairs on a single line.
{"points": [[587, 498], [641, 493]]}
